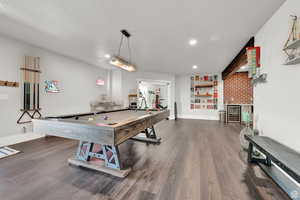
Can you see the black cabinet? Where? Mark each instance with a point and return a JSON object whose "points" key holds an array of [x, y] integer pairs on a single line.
{"points": [[233, 113]]}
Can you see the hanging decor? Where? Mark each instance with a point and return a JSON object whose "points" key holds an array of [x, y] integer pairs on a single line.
{"points": [[253, 60], [204, 92], [51, 87], [100, 82], [30, 88], [292, 45], [120, 62], [9, 84]]}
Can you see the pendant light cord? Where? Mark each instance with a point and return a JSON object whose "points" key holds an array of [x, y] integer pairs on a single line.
{"points": [[121, 42], [128, 45], [129, 50]]}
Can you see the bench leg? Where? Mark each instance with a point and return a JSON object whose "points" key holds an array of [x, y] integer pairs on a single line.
{"points": [[268, 162], [250, 151]]}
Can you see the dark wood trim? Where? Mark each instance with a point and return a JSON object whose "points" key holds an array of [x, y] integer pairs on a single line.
{"points": [[239, 60]]}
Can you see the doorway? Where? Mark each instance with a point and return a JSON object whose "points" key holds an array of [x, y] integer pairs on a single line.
{"points": [[153, 94]]}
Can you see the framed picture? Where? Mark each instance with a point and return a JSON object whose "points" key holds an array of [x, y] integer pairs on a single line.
{"points": [[51, 87]]}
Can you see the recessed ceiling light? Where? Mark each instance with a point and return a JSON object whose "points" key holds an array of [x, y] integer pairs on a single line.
{"points": [[193, 42], [107, 56], [195, 66]]}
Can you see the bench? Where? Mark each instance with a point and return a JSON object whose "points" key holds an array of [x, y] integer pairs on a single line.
{"points": [[284, 157]]}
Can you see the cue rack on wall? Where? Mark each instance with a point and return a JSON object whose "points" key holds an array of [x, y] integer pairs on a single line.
{"points": [[30, 89]]}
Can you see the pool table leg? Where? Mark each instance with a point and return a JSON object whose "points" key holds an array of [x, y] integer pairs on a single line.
{"points": [[150, 136], [83, 150], [110, 154], [151, 133]]}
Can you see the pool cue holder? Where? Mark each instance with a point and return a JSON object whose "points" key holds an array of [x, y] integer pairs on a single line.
{"points": [[9, 84], [31, 89], [28, 113]]}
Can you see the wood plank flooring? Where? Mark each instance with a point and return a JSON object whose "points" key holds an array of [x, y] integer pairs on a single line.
{"points": [[197, 160]]}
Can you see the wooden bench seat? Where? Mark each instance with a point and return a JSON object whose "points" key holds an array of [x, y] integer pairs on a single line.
{"points": [[284, 157]]}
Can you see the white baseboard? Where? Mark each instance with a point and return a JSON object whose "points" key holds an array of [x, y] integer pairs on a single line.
{"points": [[198, 117], [19, 138], [171, 117]]}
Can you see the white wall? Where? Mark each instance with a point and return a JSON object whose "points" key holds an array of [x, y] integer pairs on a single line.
{"points": [[77, 82], [183, 99], [277, 102], [116, 92]]}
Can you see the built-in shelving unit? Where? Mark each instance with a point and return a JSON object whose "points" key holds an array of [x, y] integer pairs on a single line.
{"points": [[203, 95], [204, 92], [204, 85]]}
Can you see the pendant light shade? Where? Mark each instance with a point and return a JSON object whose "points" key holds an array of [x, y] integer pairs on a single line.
{"points": [[120, 62]]}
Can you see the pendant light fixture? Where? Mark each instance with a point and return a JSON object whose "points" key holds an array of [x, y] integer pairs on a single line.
{"points": [[120, 62]]}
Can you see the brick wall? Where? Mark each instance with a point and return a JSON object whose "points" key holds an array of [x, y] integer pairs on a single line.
{"points": [[238, 89]]}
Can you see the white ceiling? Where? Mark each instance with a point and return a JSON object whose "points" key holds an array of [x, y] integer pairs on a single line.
{"points": [[88, 29]]}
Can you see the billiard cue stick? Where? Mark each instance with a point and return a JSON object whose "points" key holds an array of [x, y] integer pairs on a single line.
{"points": [[28, 85], [24, 84], [38, 83], [34, 81], [30, 82]]}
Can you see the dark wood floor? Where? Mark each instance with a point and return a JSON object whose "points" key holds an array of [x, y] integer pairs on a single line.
{"points": [[196, 160]]}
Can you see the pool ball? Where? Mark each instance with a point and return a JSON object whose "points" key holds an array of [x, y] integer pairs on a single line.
{"points": [[105, 117]]}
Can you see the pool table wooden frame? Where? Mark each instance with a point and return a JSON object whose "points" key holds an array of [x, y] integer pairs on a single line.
{"points": [[108, 136]]}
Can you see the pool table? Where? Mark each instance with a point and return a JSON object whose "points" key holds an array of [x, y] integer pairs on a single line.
{"points": [[100, 134]]}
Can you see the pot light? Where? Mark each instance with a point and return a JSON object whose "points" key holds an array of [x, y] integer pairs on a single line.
{"points": [[193, 42], [107, 56], [195, 67]]}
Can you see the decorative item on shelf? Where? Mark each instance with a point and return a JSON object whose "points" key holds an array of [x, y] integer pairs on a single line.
{"points": [[9, 84], [292, 45], [133, 101], [31, 89], [261, 78], [103, 103], [120, 62]]}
